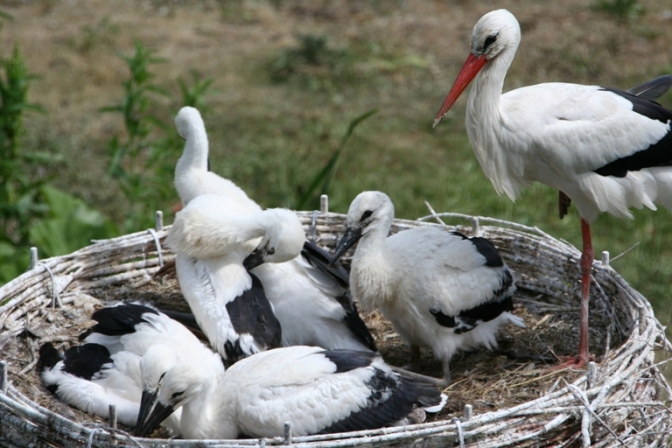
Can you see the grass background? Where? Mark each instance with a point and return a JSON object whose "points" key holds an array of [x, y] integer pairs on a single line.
{"points": [[274, 119]]}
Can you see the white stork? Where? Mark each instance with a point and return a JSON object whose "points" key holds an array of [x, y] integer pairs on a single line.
{"points": [[605, 149], [311, 303], [213, 258], [106, 369], [318, 391], [439, 289]]}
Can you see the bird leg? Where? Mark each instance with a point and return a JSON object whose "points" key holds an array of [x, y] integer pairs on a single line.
{"points": [[587, 257], [446, 371]]}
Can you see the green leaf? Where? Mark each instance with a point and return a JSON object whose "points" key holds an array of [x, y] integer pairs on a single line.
{"points": [[70, 225], [325, 176]]}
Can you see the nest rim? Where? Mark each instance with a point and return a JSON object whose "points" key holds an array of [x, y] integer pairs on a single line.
{"points": [[631, 366]]}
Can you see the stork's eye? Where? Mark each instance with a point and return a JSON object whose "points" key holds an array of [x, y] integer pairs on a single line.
{"points": [[366, 214], [177, 394], [491, 39]]}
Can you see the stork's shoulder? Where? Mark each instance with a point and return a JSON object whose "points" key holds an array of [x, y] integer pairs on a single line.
{"points": [[442, 247]]}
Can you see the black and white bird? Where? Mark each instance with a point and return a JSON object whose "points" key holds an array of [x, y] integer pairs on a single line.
{"points": [[106, 369], [604, 149], [318, 391], [311, 303], [212, 255], [439, 289]]}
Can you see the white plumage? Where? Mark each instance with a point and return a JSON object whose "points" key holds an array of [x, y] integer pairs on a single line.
{"points": [[439, 289], [605, 149], [311, 304], [106, 369], [211, 248], [316, 390]]}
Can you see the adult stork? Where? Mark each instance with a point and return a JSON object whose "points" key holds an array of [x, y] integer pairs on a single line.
{"points": [[311, 302], [106, 369], [439, 289], [603, 148], [318, 391]]}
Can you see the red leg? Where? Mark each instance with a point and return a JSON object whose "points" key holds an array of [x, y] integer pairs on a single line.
{"points": [[587, 257], [586, 265]]}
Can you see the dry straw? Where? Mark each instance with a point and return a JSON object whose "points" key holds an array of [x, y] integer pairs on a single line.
{"points": [[619, 402]]}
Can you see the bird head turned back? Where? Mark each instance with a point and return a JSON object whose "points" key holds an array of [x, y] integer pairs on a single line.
{"points": [[283, 239], [186, 120]]}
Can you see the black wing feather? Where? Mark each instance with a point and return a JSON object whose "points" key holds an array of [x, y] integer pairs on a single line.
{"points": [[118, 320], [322, 260], [392, 398], [653, 89], [484, 247], [347, 360], [657, 154], [251, 313]]}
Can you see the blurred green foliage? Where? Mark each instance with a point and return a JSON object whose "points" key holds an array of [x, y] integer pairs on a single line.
{"points": [[143, 161]]}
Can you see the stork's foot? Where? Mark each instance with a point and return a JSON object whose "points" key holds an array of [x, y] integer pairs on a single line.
{"points": [[573, 362]]}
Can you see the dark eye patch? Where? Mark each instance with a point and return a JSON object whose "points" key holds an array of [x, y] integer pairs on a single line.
{"points": [[491, 39], [366, 214]]}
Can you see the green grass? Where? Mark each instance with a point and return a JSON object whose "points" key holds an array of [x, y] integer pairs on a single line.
{"points": [[273, 137]]}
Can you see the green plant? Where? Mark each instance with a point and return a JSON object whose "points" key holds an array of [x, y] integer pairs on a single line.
{"points": [[622, 10], [143, 162], [69, 224], [313, 63], [19, 194], [132, 157], [32, 213], [194, 95], [324, 177]]}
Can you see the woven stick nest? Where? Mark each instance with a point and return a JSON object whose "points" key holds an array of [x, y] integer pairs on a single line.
{"points": [[618, 401]]}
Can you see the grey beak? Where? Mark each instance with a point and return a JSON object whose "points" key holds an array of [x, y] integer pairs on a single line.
{"points": [[255, 259], [350, 237], [151, 414]]}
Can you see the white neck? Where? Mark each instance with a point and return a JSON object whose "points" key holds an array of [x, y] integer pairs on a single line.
{"points": [[206, 415], [195, 155], [371, 271], [484, 123], [194, 159]]}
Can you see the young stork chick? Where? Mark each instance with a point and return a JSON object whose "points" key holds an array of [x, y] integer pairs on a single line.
{"points": [[318, 391], [439, 289], [312, 303], [214, 252], [106, 369]]}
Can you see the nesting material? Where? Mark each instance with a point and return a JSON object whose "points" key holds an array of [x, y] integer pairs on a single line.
{"points": [[497, 399]]}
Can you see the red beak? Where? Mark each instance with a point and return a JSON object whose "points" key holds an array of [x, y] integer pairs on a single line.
{"points": [[470, 69]]}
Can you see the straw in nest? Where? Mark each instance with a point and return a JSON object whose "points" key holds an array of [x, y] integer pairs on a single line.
{"points": [[493, 402]]}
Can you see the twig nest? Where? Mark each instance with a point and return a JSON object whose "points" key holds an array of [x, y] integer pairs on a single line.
{"points": [[493, 401]]}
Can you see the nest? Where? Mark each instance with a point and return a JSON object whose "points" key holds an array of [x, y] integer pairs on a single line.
{"points": [[497, 399]]}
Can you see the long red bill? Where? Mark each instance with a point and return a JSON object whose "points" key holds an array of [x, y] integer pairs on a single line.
{"points": [[470, 69]]}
